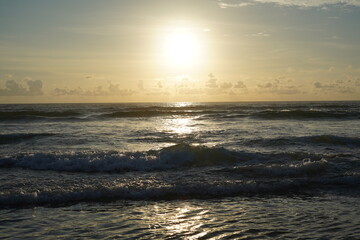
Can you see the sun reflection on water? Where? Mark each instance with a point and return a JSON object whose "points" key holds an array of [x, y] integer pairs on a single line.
{"points": [[180, 125], [182, 221]]}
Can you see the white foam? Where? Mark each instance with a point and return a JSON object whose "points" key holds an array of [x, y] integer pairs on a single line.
{"points": [[181, 155]]}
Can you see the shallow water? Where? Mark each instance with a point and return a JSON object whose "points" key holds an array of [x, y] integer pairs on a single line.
{"points": [[276, 217], [182, 170]]}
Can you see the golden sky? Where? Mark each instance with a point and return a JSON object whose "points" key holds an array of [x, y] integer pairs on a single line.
{"points": [[164, 50]]}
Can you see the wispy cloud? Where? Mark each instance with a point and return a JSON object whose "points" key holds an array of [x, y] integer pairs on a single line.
{"points": [[259, 35], [295, 3], [238, 4]]}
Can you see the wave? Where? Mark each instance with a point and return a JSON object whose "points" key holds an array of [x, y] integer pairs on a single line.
{"points": [[176, 192], [307, 140], [173, 157], [307, 167], [33, 115], [20, 137], [306, 114], [180, 155], [156, 113], [264, 111], [237, 112], [195, 107]]}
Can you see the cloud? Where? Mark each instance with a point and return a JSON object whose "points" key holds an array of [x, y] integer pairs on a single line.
{"points": [[185, 86], [12, 88], [35, 87], [335, 87], [238, 4], [112, 90], [226, 85], [281, 85], [211, 82], [288, 90], [240, 84], [265, 85], [259, 35], [212, 87], [64, 92], [290, 3]]}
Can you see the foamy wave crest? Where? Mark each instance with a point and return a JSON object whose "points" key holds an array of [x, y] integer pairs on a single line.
{"points": [[181, 155], [173, 157], [173, 192], [307, 167]]}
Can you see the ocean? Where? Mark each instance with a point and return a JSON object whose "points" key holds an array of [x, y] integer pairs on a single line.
{"points": [[262, 170]]}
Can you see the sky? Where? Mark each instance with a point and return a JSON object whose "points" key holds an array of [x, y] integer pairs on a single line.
{"points": [[55, 51]]}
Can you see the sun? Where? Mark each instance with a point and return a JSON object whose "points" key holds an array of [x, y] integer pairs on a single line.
{"points": [[182, 48]]}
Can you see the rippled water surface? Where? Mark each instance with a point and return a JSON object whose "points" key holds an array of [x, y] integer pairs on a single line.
{"points": [[181, 170], [285, 217]]}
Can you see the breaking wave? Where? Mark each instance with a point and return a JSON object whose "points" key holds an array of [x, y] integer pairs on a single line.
{"points": [[307, 167], [174, 192], [173, 157], [181, 155]]}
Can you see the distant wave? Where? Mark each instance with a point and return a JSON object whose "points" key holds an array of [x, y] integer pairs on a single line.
{"points": [[306, 114], [156, 113], [174, 157], [174, 192], [20, 137], [307, 140], [31, 115], [306, 167], [210, 111], [147, 113], [235, 112]]}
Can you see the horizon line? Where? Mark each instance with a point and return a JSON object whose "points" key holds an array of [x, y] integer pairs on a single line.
{"points": [[155, 102]]}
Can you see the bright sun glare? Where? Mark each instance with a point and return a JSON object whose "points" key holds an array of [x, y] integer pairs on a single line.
{"points": [[182, 48]]}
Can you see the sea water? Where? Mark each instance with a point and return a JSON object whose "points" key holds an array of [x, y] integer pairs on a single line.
{"points": [[286, 170]]}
